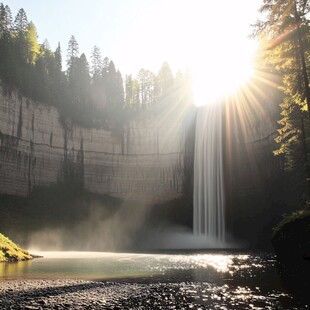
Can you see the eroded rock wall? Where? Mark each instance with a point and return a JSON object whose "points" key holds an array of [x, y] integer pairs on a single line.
{"points": [[144, 160]]}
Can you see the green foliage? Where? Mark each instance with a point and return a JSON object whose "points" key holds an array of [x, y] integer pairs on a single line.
{"points": [[72, 52], [132, 93], [90, 96], [5, 20], [20, 23], [33, 45], [287, 219], [96, 58], [10, 252], [165, 81], [285, 37]]}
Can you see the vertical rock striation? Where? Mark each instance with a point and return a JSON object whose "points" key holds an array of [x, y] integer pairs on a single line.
{"points": [[142, 161]]}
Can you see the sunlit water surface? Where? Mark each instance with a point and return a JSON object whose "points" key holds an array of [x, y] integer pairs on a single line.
{"points": [[248, 277], [105, 265]]}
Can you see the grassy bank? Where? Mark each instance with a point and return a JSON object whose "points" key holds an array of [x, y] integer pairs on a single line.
{"points": [[11, 252]]}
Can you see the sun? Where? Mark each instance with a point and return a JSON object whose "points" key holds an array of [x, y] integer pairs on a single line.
{"points": [[200, 37], [218, 75]]}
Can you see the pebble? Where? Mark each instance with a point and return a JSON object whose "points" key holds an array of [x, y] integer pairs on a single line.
{"points": [[80, 294]]}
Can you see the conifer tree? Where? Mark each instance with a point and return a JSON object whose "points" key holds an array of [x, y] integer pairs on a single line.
{"points": [[83, 79], [132, 93], [58, 57], [285, 34], [5, 20], [164, 81], [21, 22], [72, 51], [6, 45], [96, 65], [146, 81]]}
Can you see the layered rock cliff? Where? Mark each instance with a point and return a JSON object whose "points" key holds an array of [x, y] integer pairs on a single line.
{"points": [[144, 160]]}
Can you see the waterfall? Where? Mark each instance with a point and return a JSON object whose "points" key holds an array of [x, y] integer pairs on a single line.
{"points": [[209, 218]]}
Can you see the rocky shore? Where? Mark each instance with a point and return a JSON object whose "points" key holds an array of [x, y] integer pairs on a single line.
{"points": [[80, 294]]}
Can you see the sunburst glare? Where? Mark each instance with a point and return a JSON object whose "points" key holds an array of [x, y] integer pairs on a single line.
{"points": [[222, 74]]}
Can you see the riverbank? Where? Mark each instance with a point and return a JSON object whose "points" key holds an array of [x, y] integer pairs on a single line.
{"points": [[11, 252], [80, 294], [291, 239]]}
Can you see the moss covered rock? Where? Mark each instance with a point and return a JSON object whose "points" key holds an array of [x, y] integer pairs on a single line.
{"points": [[11, 252], [291, 238]]}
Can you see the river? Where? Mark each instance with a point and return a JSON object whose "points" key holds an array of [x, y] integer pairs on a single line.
{"points": [[230, 279]]}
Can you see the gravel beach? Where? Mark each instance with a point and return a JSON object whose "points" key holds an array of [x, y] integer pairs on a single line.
{"points": [[80, 294]]}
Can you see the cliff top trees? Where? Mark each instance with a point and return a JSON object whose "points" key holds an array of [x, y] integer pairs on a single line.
{"points": [[58, 57], [72, 50], [20, 22], [6, 20], [165, 80], [96, 65], [6, 57], [33, 48], [84, 93]]}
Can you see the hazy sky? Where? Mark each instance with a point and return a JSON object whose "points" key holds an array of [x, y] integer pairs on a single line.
{"points": [[144, 33]]}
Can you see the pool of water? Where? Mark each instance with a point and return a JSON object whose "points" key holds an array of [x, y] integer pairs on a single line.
{"points": [[214, 266], [244, 275]]}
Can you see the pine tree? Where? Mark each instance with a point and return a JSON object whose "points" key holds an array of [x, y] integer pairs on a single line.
{"points": [[7, 61], [96, 65], [285, 34], [146, 81], [72, 51], [5, 20], [83, 78], [46, 45], [164, 81], [58, 57], [72, 67], [21, 22]]}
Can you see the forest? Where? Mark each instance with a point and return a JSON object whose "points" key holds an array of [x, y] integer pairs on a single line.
{"points": [[95, 94], [207, 206], [89, 94], [284, 38]]}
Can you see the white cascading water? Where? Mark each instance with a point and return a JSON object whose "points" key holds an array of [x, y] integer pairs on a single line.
{"points": [[209, 217]]}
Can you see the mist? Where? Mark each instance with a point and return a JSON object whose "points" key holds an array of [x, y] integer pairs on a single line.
{"points": [[98, 231]]}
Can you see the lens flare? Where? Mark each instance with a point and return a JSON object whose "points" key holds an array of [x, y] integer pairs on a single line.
{"points": [[220, 75]]}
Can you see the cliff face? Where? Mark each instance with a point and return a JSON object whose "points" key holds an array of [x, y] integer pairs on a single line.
{"points": [[142, 161]]}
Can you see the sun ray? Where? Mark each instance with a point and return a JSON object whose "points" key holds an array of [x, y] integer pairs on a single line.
{"points": [[222, 75]]}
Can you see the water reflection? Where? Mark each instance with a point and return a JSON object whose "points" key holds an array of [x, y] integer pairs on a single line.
{"points": [[242, 281], [12, 270], [101, 265], [221, 263]]}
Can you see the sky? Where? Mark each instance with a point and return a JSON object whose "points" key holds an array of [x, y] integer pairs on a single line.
{"points": [[200, 35]]}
